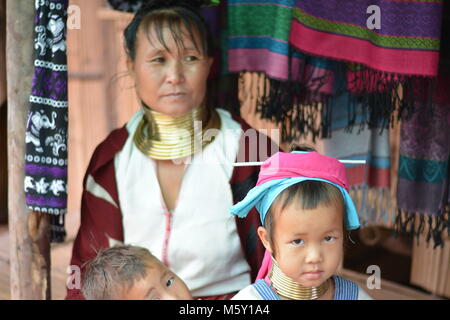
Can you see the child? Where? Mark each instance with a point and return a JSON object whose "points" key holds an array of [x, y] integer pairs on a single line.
{"points": [[131, 273], [303, 202]]}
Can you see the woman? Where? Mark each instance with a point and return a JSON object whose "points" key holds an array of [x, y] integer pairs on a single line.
{"points": [[166, 180]]}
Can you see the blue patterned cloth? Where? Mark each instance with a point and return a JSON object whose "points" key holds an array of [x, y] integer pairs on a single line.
{"points": [[344, 289]]}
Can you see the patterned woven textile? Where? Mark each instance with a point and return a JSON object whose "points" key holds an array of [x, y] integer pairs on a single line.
{"points": [[423, 195], [46, 134], [292, 79], [369, 183], [423, 177], [402, 49], [286, 40], [406, 43]]}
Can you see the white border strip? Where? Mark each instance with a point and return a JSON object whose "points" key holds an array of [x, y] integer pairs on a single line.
{"points": [[249, 164], [49, 102]]}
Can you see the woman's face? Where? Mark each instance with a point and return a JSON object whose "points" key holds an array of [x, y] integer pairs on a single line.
{"points": [[170, 81]]}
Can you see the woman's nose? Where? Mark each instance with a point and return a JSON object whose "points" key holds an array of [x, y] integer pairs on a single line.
{"points": [[175, 73]]}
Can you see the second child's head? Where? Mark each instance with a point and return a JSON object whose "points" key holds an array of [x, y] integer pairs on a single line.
{"points": [[304, 231], [131, 273], [305, 208]]}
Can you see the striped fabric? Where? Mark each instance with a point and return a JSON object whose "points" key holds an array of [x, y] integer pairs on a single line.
{"points": [[344, 289], [369, 183], [265, 291], [293, 78], [295, 44], [425, 157], [259, 44], [406, 43]]}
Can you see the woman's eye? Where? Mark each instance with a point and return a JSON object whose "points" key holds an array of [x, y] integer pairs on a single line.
{"points": [[170, 282], [191, 58], [329, 239], [298, 242]]}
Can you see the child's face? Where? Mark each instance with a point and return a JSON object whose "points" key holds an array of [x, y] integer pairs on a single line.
{"points": [[159, 284], [308, 243]]}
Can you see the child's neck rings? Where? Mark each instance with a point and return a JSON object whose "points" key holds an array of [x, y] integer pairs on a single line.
{"points": [[288, 288]]}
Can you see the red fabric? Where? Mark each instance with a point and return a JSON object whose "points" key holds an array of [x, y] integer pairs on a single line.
{"points": [[100, 219]]}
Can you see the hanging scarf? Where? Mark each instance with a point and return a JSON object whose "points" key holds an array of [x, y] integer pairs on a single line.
{"points": [[370, 182], [404, 50], [46, 131], [287, 32], [423, 195], [297, 86]]}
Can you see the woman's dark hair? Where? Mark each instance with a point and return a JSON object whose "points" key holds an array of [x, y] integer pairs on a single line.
{"points": [[305, 195], [175, 15]]}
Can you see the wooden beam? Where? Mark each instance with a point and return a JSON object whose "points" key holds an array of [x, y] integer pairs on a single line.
{"points": [[28, 231], [3, 163], [2, 52]]}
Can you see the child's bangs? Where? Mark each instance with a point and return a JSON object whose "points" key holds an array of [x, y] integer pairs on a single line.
{"points": [[177, 25], [309, 195]]}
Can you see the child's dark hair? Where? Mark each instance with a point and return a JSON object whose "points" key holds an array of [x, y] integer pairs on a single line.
{"points": [[306, 195], [113, 270], [175, 15]]}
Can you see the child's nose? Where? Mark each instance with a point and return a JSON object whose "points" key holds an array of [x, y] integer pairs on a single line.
{"points": [[314, 255]]}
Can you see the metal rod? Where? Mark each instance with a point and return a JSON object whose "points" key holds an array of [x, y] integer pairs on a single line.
{"points": [[248, 164]]}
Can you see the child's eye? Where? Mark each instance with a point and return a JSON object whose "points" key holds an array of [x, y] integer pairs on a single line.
{"points": [[170, 282], [158, 60], [298, 242], [329, 239]]}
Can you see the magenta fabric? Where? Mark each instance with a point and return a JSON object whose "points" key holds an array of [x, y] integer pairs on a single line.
{"points": [[286, 165]]}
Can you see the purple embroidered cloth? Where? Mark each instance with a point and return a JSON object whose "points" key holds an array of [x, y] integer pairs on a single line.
{"points": [[45, 182]]}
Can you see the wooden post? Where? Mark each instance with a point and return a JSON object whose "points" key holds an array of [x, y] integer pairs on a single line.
{"points": [[3, 163], [28, 231]]}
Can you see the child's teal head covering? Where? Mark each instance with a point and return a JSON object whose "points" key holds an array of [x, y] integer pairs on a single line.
{"points": [[283, 170]]}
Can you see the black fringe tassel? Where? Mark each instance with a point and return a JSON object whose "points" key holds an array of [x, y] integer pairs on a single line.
{"points": [[376, 95], [296, 104], [405, 224], [57, 230]]}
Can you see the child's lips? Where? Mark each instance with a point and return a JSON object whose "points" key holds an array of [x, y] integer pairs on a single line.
{"points": [[313, 275]]}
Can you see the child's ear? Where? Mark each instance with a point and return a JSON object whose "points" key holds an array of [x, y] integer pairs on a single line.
{"points": [[264, 236]]}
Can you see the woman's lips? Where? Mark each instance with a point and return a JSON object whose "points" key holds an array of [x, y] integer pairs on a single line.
{"points": [[174, 95], [313, 275]]}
